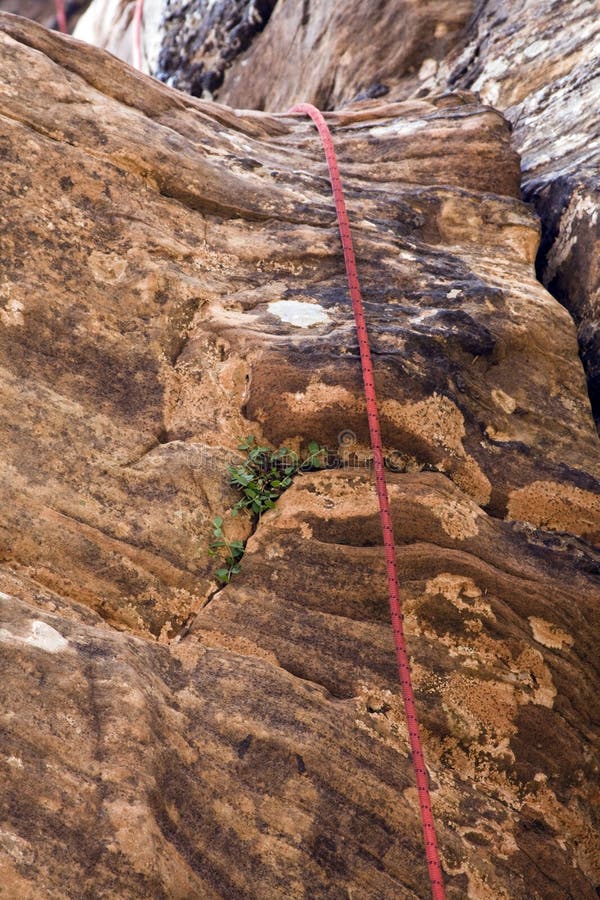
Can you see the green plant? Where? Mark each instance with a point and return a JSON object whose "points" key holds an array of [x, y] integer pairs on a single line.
{"points": [[263, 476], [230, 552]]}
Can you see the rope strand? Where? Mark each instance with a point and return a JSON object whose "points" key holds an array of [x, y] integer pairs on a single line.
{"points": [[421, 777], [61, 16]]}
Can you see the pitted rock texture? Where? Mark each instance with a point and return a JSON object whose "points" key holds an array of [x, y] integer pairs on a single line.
{"points": [[171, 282], [535, 60], [496, 707], [266, 754], [322, 53], [167, 346], [538, 63], [213, 33]]}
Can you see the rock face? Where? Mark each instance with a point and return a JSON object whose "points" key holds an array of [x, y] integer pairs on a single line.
{"points": [[214, 34], [172, 282], [535, 61], [302, 50], [538, 63], [266, 754]]}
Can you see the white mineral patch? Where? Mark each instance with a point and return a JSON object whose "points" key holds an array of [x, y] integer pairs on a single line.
{"points": [[12, 314], [493, 69], [41, 635], [421, 315], [4, 596], [298, 313], [398, 126], [17, 847], [535, 49], [490, 92], [428, 69], [46, 638]]}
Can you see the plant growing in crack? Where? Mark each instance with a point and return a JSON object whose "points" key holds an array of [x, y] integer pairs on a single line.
{"points": [[230, 552], [261, 479]]}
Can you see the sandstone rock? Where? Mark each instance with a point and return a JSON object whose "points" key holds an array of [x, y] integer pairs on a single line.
{"points": [[268, 55], [43, 11], [266, 754], [200, 41], [493, 702], [172, 282], [538, 63], [145, 352], [322, 53]]}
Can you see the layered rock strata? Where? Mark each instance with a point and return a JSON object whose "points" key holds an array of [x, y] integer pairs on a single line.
{"points": [[172, 282]]}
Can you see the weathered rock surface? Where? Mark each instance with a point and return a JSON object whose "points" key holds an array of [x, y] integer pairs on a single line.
{"points": [[493, 701], [293, 50], [266, 754], [322, 53], [535, 61], [171, 282], [209, 37], [168, 345], [538, 63]]}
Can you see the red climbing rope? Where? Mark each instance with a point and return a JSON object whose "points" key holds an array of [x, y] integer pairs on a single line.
{"points": [[431, 848], [61, 16], [138, 15]]}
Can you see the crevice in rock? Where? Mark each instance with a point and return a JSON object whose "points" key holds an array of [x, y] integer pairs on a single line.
{"points": [[189, 622], [161, 438], [565, 264]]}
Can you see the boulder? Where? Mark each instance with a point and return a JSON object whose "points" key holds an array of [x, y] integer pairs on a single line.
{"points": [[269, 55]]}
